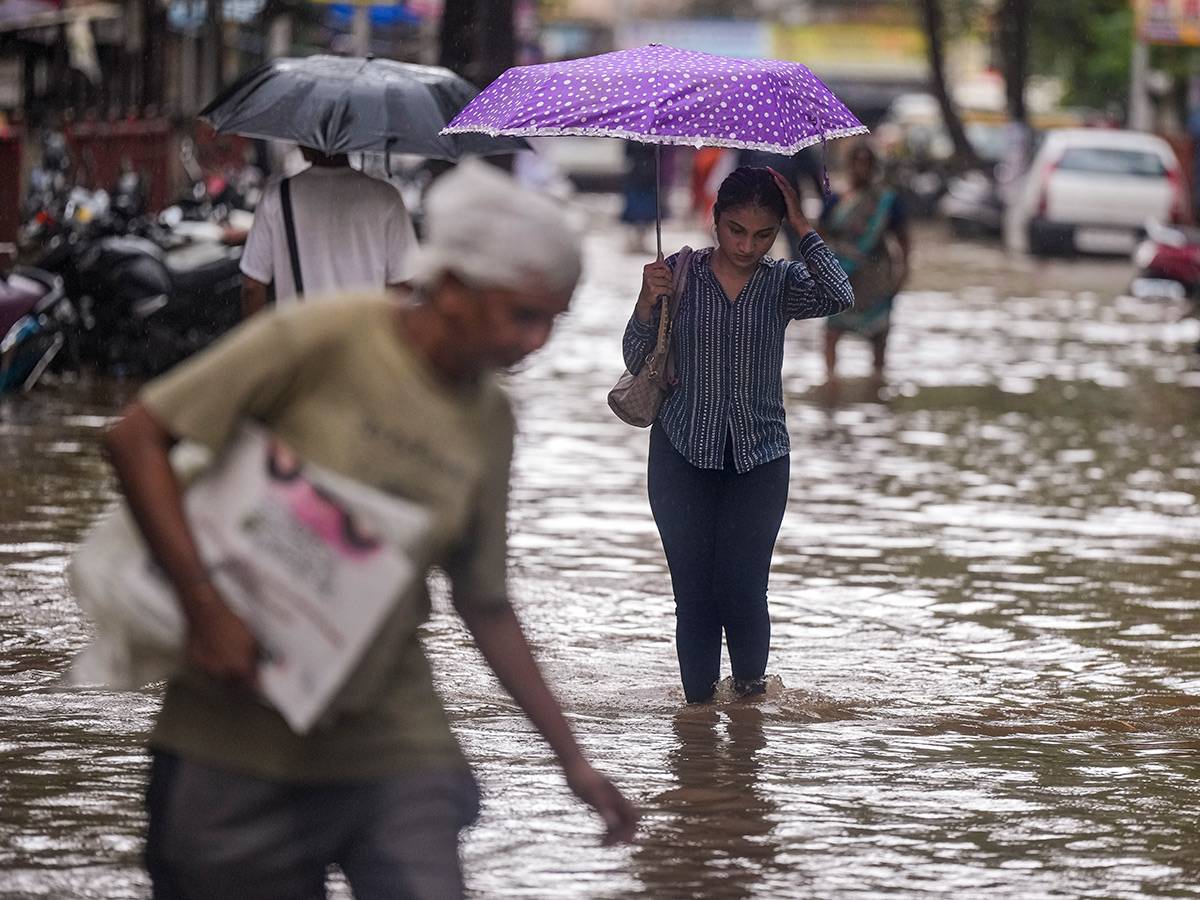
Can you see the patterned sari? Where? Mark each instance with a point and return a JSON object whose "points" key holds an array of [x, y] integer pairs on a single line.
{"points": [[856, 229]]}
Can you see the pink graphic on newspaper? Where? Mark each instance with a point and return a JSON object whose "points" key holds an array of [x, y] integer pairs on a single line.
{"points": [[313, 561]]}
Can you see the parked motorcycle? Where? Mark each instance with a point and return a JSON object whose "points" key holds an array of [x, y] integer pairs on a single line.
{"points": [[147, 290], [218, 196], [972, 205], [35, 319], [147, 295], [49, 181], [1167, 265], [142, 308]]}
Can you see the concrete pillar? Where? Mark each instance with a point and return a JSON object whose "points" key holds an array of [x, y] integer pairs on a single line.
{"points": [[360, 30], [279, 36], [1140, 117]]}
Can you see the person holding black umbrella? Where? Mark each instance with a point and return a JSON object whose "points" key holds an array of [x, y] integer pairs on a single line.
{"points": [[347, 229], [328, 229]]}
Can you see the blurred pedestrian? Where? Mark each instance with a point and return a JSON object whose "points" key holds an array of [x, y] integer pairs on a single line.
{"points": [[349, 231], [866, 227], [718, 467], [710, 166], [639, 193], [397, 391]]}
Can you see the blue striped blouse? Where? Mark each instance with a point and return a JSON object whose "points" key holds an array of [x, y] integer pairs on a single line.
{"points": [[729, 356]]}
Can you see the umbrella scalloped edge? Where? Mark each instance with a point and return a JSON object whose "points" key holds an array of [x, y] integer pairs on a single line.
{"points": [[785, 150]]}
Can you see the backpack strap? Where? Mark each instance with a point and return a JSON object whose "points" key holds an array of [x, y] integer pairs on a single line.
{"points": [[289, 225]]}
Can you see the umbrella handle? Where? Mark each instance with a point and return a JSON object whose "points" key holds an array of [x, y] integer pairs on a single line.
{"points": [[824, 153], [657, 191]]}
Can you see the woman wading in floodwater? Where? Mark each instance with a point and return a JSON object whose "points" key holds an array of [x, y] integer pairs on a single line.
{"points": [[718, 468]]}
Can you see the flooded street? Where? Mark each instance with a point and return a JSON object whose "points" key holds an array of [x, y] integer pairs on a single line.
{"points": [[986, 645]]}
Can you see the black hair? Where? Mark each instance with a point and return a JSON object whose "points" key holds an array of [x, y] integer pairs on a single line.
{"points": [[863, 149], [749, 186]]}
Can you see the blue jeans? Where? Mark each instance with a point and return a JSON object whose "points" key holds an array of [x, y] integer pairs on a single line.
{"points": [[220, 835], [718, 529]]}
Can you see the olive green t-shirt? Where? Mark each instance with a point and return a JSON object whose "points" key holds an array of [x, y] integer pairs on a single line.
{"points": [[338, 383]]}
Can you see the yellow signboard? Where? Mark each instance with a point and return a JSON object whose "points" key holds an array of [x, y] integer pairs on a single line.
{"points": [[848, 49], [1167, 21]]}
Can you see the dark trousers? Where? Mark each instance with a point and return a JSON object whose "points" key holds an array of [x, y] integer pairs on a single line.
{"points": [[718, 529], [220, 835]]}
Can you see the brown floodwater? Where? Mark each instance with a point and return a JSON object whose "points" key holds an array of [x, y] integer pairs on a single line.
{"points": [[986, 662]]}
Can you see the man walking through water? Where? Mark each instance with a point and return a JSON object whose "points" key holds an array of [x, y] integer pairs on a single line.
{"points": [[397, 391], [349, 231]]}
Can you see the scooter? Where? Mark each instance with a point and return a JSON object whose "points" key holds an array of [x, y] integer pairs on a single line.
{"points": [[1168, 263], [35, 319]]}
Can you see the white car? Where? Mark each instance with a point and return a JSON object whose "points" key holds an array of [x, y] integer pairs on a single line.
{"points": [[1091, 190]]}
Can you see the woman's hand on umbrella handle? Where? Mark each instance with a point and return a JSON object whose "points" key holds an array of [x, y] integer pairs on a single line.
{"points": [[656, 282], [791, 197]]}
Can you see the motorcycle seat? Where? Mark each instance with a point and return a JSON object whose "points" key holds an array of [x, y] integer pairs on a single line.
{"points": [[205, 276], [198, 255], [18, 296]]}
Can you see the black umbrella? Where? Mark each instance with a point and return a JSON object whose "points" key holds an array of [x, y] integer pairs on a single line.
{"points": [[342, 104]]}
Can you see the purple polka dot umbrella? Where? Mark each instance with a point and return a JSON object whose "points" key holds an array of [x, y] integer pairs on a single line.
{"points": [[663, 95]]}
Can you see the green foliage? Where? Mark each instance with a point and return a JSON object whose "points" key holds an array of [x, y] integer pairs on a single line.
{"points": [[1087, 44], [719, 8], [962, 16], [550, 10]]}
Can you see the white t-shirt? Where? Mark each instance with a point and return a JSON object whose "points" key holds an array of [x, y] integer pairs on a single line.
{"points": [[352, 232]]}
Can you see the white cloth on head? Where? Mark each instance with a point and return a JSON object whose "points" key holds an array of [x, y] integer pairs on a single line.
{"points": [[352, 232], [487, 229]]}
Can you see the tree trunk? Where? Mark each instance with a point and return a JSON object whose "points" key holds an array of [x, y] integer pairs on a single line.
{"points": [[214, 40], [964, 153], [1014, 52], [457, 39], [497, 45], [477, 39]]}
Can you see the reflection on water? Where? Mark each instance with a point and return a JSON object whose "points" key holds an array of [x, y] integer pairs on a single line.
{"points": [[985, 622], [711, 832]]}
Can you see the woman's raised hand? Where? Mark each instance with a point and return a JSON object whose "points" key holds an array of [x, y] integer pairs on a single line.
{"points": [[795, 213], [656, 282]]}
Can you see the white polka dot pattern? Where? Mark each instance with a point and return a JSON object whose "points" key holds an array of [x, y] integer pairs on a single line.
{"points": [[664, 95]]}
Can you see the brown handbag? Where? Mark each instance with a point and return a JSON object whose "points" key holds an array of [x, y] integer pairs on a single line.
{"points": [[636, 399]]}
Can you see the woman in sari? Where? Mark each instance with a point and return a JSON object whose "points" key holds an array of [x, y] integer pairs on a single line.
{"points": [[866, 228]]}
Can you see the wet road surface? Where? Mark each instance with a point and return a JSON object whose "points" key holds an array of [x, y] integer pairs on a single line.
{"points": [[986, 670]]}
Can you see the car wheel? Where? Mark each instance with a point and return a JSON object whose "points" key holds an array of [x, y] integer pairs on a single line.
{"points": [[1040, 243], [962, 228]]}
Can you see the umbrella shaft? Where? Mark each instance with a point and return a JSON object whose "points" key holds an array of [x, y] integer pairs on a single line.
{"points": [[657, 192]]}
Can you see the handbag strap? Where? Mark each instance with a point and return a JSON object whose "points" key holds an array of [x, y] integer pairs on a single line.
{"points": [[683, 263], [660, 360], [289, 226]]}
